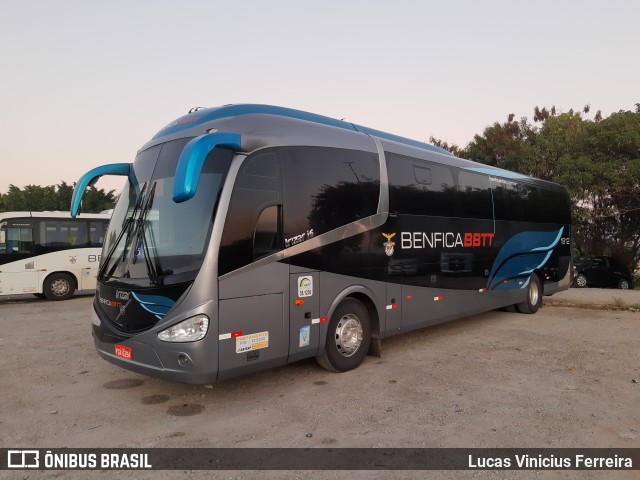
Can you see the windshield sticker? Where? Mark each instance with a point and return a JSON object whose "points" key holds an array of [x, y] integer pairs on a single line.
{"points": [[305, 286], [305, 336], [255, 341]]}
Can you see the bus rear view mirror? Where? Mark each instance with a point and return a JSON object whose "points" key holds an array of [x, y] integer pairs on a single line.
{"points": [[91, 177], [192, 159]]}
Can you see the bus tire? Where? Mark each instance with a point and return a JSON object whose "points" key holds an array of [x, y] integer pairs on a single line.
{"points": [[534, 296], [580, 281], [59, 286], [348, 337]]}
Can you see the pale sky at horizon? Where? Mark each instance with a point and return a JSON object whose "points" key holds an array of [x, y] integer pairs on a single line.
{"points": [[86, 83]]}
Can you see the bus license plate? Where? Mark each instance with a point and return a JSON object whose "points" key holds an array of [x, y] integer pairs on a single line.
{"points": [[123, 352]]}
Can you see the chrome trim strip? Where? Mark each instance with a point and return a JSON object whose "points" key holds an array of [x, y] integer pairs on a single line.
{"points": [[340, 233], [383, 202]]}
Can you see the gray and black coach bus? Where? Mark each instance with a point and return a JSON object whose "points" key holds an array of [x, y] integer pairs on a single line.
{"points": [[250, 236]]}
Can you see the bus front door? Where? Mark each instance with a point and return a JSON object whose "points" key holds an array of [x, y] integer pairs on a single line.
{"points": [[18, 269], [253, 321]]}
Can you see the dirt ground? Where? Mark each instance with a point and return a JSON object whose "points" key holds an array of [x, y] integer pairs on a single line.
{"points": [[565, 377]]}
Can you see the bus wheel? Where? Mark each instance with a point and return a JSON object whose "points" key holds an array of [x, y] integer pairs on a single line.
{"points": [[534, 296], [580, 281], [59, 286], [348, 337]]}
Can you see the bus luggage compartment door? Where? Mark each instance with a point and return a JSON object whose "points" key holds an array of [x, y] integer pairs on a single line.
{"points": [[304, 316], [19, 277], [252, 334]]}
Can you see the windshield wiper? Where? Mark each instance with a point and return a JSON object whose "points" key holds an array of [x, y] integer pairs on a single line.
{"points": [[126, 228], [153, 267]]}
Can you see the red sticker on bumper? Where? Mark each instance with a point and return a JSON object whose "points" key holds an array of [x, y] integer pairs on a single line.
{"points": [[123, 352]]}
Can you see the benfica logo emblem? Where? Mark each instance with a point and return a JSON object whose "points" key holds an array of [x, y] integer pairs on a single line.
{"points": [[388, 245]]}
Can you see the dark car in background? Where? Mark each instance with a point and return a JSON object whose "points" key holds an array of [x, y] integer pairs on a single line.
{"points": [[601, 271]]}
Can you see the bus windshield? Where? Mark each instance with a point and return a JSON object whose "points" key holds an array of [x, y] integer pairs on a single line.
{"points": [[153, 240], [3, 238]]}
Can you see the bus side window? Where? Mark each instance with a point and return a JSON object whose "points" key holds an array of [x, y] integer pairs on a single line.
{"points": [[96, 233], [267, 238], [251, 227], [59, 234], [475, 195], [327, 188], [419, 187], [518, 202], [19, 240]]}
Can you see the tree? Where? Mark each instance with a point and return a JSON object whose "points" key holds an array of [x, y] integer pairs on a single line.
{"points": [[54, 198], [598, 161], [502, 145], [560, 136], [615, 146], [453, 148], [95, 200]]}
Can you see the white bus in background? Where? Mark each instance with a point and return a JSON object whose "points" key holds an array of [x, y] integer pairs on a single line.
{"points": [[50, 254]]}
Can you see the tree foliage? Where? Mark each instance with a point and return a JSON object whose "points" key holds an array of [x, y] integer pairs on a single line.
{"points": [[53, 198], [597, 160], [501, 144]]}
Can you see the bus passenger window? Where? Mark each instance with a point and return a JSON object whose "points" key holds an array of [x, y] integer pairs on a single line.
{"points": [[418, 187], [267, 236], [96, 233], [59, 234], [327, 188], [475, 195], [19, 240]]}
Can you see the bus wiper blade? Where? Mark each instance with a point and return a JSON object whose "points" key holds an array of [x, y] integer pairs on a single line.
{"points": [[141, 238], [126, 228], [130, 223], [152, 267]]}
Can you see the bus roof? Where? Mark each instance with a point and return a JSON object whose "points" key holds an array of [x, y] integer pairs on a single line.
{"points": [[54, 214], [206, 115], [248, 120]]}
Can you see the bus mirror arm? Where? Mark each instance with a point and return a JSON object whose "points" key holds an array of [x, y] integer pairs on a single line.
{"points": [[91, 177], [192, 159]]}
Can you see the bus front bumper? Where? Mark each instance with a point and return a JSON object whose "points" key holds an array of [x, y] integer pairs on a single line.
{"points": [[180, 362]]}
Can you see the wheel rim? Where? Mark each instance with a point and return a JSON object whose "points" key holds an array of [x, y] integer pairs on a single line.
{"points": [[60, 287], [534, 293], [581, 281], [624, 285], [349, 335]]}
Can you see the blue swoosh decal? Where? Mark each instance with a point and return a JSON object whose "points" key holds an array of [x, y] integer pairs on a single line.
{"points": [[154, 304], [520, 256]]}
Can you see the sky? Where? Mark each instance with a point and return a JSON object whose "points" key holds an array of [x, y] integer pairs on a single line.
{"points": [[86, 83]]}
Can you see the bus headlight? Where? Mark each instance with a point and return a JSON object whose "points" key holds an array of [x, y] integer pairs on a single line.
{"points": [[189, 330]]}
